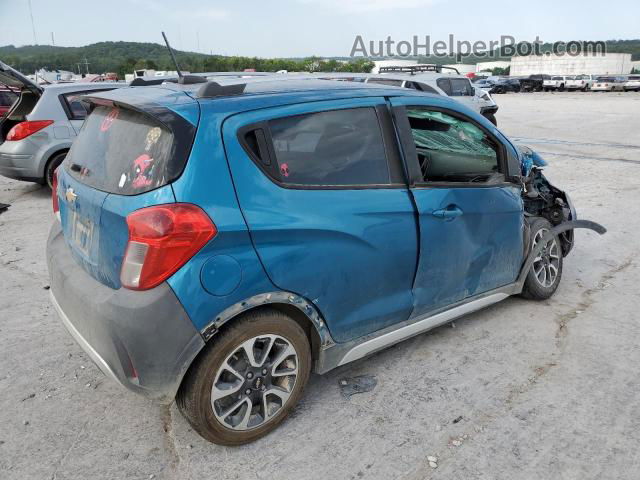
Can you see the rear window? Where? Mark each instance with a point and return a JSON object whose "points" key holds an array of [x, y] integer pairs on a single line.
{"points": [[386, 81], [121, 151], [340, 147], [461, 87]]}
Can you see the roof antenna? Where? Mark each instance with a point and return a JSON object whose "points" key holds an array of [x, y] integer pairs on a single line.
{"points": [[182, 79]]}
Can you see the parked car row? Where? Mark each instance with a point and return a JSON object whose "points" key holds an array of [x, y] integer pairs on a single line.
{"points": [[538, 83]]}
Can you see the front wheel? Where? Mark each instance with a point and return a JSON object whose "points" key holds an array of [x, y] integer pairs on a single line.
{"points": [[545, 274], [248, 380]]}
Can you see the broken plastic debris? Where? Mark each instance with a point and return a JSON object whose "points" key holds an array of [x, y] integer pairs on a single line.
{"points": [[359, 384]]}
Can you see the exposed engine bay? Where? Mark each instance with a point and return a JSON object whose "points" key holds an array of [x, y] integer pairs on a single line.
{"points": [[542, 199]]}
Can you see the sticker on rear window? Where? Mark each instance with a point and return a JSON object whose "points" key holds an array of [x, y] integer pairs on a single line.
{"points": [[109, 119]]}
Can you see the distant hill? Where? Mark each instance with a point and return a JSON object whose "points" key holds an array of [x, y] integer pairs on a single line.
{"points": [[124, 57]]}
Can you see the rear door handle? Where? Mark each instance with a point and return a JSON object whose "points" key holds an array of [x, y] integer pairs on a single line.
{"points": [[449, 213]]}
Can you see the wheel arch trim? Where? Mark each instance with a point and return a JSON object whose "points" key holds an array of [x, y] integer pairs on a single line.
{"points": [[275, 299]]}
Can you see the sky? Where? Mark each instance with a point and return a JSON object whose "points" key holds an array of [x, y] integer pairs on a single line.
{"points": [[300, 28]]}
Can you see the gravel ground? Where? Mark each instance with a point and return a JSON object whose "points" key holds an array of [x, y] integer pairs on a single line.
{"points": [[520, 390]]}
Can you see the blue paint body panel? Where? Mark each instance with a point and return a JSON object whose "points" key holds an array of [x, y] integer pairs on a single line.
{"points": [[352, 252], [471, 254], [477, 251], [206, 182]]}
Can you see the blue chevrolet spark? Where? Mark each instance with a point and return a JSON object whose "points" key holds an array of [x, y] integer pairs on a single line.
{"points": [[215, 243]]}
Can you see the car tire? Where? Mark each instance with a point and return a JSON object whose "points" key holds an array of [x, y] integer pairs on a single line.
{"points": [[274, 340], [544, 277], [53, 163], [492, 118]]}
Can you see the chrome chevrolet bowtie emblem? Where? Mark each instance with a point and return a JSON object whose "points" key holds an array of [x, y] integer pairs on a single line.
{"points": [[70, 195]]}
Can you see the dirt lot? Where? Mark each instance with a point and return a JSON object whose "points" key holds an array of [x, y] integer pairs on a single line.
{"points": [[521, 390]]}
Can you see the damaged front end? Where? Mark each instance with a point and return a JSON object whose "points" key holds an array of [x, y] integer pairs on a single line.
{"points": [[542, 199]]}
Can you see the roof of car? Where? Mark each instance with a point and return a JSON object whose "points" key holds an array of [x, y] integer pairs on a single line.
{"points": [[257, 93]]}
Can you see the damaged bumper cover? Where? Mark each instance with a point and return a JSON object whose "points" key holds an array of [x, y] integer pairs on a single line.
{"points": [[143, 340]]}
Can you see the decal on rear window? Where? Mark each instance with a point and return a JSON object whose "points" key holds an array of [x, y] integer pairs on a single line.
{"points": [[121, 151]]}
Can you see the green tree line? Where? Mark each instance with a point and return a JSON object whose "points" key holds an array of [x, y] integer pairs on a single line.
{"points": [[124, 57]]}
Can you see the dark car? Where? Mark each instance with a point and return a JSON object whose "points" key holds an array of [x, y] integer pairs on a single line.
{"points": [[505, 85], [533, 83]]}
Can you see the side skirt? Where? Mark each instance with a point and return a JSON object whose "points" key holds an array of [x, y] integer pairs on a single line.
{"points": [[343, 353]]}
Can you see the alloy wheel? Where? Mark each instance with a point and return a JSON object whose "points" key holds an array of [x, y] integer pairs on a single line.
{"points": [[547, 264], [255, 382]]}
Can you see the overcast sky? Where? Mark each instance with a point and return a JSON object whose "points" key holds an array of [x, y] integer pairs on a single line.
{"points": [[288, 28]]}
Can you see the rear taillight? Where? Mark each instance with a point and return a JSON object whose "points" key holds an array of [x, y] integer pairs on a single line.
{"points": [[54, 193], [24, 129], [161, 240]]}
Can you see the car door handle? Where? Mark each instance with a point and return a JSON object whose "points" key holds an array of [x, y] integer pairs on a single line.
{"points": [[449, 213]]}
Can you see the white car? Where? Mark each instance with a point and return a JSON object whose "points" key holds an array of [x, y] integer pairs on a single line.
{"points": [[580, 82], [555, 83], [609, 84], [427, 79], [632, 84]]}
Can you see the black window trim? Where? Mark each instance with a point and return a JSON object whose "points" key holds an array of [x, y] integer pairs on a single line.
{"points": [[413, 166], [271, 170]]}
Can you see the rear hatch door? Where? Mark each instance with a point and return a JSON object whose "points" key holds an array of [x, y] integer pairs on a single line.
{"points": [[13, 78], [124, 159]]}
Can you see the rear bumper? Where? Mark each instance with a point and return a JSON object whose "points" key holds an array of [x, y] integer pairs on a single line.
{"points": [[21, 161], [18, 167], [143, 340]]}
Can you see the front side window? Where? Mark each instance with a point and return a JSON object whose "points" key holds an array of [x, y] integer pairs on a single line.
{"points": [[451, 149], [338, 147]]}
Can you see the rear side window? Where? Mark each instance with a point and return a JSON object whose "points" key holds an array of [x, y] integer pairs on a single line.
{"points": [[423, 87], [121, 151], [76, 109], [461, 87], [386, 81], [339, 147], [445, 85]]}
